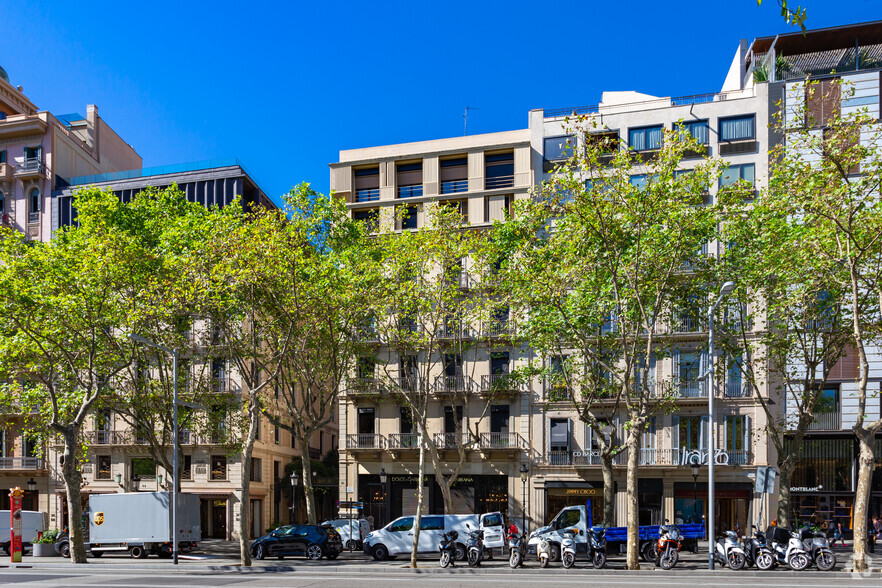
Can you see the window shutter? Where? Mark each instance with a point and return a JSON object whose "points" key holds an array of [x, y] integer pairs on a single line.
{"points": [[702, 370], [746, 436], [569, 435], [704, 425], [675, 437], [675, 361], [651, 382]]}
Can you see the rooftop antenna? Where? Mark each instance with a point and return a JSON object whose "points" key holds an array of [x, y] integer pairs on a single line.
{"points": [[465, 119]]}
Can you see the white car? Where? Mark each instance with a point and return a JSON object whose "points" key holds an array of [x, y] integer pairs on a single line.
{"points": [[352, 531], [397, 537]]}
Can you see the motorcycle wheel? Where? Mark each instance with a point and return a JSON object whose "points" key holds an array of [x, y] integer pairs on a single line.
{"points": [[668, 559], [764, 561], [599, 560], [569, 560], [474, 558], [736, 561], [799, 561], [445, 559], [459, 552], [825, 561], [514, 560], [543, 562]]}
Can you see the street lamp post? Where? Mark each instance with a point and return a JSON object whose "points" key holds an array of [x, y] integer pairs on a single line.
{"points": [[724, 291], [525, 472], [695, 468], [175, 478], [295, 479]]}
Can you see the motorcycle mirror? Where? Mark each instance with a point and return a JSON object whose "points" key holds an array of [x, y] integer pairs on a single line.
{"points": [[666, 520]]}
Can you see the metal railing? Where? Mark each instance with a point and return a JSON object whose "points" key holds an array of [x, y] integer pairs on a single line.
{"points": [[407, 383], [454, 186], [737, 390], [367, 195], [827, 421], [410, 191], [448, 384], [501, 441], [557, 458], [739, 457], [693, 389], [22, 463], [365, 441], [498, 328], [450, 440], [106, 437], [650, 104], [499, 182], [29, 166], [404, 441], [453, 330], [688, 324], [499, 382], [366, 386]]}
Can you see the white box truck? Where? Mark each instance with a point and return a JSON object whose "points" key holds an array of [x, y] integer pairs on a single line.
{"points": [[140, 523], [397, 537], [32, 523], [352, 531]]}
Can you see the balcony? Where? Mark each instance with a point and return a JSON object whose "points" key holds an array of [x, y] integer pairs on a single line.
{"points": [[7, 172], [559, 458], [366, 387], [22, 463], [451, 440], [499, 182], [407, 383], [453, 330], [500, 384], [693, 389], [404, 441], [367, 195], [452, 384], [498, 328], [501, 441], [454, 186], [365, 441], [29, 168], [412, 191], [106, 437], [827, 421], [458, 280], [688, 324], [737, 390]]}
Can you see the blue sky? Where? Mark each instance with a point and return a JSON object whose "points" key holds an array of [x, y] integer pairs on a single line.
{"points": [[285, 86]]}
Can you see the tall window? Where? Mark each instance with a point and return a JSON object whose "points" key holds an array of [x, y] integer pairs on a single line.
{"points": [[2, 202], [367, 184], [408, 217], [823, 102], [103, 471], [645, 138], [144, 468], [738, 128], [187, 469], [34, 200], [737, 431], [218, 467], [691, 432], [689, 366], [559, 441], [256, 469], [697, 129], [454, 175], [499, 170], [409, 177]]}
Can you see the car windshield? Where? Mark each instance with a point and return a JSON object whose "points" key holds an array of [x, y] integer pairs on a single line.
{"points": [[493, 520]]}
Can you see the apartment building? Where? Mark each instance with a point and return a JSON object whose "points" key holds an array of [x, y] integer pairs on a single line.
{"points": [[482, 175], [37, 151], [825, 478]]}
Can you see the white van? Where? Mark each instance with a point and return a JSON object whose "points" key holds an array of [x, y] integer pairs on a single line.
{"points": [[32, 523], [397, 537], [352, 531]]}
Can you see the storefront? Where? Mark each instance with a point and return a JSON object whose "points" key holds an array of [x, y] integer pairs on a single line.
{"points": [[559, 495], [822, 484], [731, 504], [650, 498]]}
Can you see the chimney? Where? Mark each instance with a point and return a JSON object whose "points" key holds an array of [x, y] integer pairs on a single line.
{"points": [[92, 132]]}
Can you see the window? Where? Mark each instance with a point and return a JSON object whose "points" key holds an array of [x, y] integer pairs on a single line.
{"points": [[408, 217], [409, 178], [499, 170], [187, 468], [559, 148], [454, 175], [277, 434], [2, 202], [822, 102], [34, 200], [432, 523], [645, 138], [103, 472], [401, 525], [367, 184], [405, 424], [256, 469], [557, 384], [493, 520], [691, 432], [559, 435], [30, 446], [370, 217], [568, 518], [738, 128], [688, 369], [737, 443], [2, 155], [32, 153], [366, 421], [642, 180], [451, 423], [697, 129], [604, 143], [144, 468], [218, 467], [743, 172]]}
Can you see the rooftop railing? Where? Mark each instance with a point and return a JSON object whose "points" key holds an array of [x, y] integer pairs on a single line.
{"points": [[649, 104], [157, 171]]}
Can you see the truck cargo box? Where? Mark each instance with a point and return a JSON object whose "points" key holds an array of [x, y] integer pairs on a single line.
{"points": [[137, 517]]}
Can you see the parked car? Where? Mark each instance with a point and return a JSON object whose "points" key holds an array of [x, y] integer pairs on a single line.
{"points": [[313, 541], [397, 537], [352, 531]]}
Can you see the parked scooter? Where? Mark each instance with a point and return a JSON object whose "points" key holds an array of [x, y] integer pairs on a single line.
{"points": [[597, 546], [788, 549], [728, 551], [568, 548], [756, 552], [517, 549], [545, 551], [475, 546], [668, 546], [448, 548], [818, 548]]}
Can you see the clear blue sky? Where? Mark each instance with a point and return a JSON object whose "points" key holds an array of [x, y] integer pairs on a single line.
{"points": [[285, 85]]}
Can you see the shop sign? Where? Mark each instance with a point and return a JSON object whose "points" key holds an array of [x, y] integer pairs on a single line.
{"points": [[592, 453], [580, 492], [700, 457], [408, 479], [817, 488]]}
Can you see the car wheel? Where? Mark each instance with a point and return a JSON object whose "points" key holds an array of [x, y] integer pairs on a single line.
{"points": [[351, 545], [332, 555], [650, 551], [554, 552], [281, 557], [379, 552], [459, 552], [64, 549], [260, 552], [314, 552]]}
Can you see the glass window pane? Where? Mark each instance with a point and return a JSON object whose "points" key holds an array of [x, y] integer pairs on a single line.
{"points": [[737, 128]]}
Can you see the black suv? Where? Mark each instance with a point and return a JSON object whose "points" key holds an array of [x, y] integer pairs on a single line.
{"points": [[313, 541]]}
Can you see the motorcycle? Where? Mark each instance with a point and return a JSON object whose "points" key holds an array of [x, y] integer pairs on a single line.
{"points": [[517, 549], [818, 548], [787, 548], [545, 552], [597, 546], [668, 546], [448, 548], [728, 551], [475, 547], [568, 548], [756, 552]]}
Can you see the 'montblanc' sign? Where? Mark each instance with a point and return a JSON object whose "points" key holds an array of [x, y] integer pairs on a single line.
{"points": [[701, 457]]}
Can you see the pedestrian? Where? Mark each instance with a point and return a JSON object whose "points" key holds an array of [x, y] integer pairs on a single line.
{"points": [[872, 534], [877, 527], [837, 534]]}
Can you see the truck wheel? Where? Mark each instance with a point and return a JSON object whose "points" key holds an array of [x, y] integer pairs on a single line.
{"points": [[351, 545], [65, 550], [97, 553], [554, 552], [380, 552], [137, 552]]}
